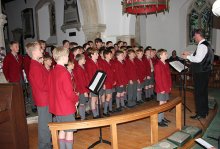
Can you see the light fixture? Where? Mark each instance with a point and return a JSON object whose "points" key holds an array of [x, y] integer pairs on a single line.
{"points": [[216, 8], [145, 7]]}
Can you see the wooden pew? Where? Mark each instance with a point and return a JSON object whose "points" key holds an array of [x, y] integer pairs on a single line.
{"points": [[115, 120], [13, 124]]}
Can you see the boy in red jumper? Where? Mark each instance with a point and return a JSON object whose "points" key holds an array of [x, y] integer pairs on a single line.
{"points": [[82, 82], [110, 81], [140, 64], [38, 76], [149, 73], [62, 98], [162, 83], [12, 64], [121, 79], [131, 72], [91, 67]]}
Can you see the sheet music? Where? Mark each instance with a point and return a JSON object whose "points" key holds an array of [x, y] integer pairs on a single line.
{"points": [[95, 82], [178, 65], [203, 142]]}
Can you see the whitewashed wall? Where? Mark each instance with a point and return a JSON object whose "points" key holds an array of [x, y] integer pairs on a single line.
{"points": [[14, 9]]}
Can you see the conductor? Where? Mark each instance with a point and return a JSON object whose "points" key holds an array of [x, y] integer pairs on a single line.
{"points": [[201, 60]]}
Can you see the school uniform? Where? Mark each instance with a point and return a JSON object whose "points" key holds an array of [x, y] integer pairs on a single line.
{"points": [[82, 82], [121, 82], [12, 68], [38, 76], [147, 81], [141, 74], [91, 68], [162, 83], [131, 71], [62, 98]]}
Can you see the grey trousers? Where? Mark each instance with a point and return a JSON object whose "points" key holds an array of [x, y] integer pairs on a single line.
{"points": [[132, 93], [44, 136]]}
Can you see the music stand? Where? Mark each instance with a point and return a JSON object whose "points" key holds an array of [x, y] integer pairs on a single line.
{"points": [[182, 69], [95, 86]]}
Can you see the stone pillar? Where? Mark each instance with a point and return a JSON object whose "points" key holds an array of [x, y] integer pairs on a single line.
{"points": [[2, 23], [138, 30], [92, 27]]}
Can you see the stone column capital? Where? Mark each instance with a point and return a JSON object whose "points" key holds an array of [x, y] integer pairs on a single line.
{"points": [[93, 31]]}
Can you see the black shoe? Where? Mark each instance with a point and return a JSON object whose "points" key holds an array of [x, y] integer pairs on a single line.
{"points": [[110, 111], [118, 110], [106, 114], [27, 114], [88, 113], [166, 120], [162, 124], [130, 106], [197, 116], [147, 99], [95, 117], [123, 107], [34, 110], [140, 102]]}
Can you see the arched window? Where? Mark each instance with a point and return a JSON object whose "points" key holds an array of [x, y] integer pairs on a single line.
{"points": [[200, 16]]}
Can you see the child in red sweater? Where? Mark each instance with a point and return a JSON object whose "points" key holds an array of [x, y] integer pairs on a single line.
{"points": [[12, 64], [91, 67], [121, 80], [38, 77], [110, 80], [141, 73], [162, 83], [81, 80], [131, 72], [62, 98]]}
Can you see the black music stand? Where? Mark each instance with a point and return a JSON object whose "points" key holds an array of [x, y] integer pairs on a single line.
{"points": [[95, 86], [182, 69]]}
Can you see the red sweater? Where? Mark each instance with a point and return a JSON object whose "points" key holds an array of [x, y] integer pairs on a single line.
{"points": [[141, 70], [62, 98], [120, 73], [81, 80], [12, 68], [131, 70], [162, 77], [110, 78], [147, 66], [91, 68], [26, 64], [38, 76]]}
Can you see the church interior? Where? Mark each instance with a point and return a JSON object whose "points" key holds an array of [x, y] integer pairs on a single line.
{"points": [[126, 26]]}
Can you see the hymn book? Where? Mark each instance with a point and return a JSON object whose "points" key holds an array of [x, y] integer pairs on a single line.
{"points": [[178, 66]]}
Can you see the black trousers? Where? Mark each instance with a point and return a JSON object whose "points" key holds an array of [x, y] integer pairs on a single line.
{"points": [[201, 80]]}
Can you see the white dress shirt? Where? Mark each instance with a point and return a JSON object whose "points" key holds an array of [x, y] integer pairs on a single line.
{"points": [[200, 53]]}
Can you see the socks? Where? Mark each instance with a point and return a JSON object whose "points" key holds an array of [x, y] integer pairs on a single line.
{"points": [[69, 144], [139, 95], [160, 117], [62, 143], [82, 112], [118, 102], [122, 101], [110, 105], [106, 107], [94, 112], [147, 93]]}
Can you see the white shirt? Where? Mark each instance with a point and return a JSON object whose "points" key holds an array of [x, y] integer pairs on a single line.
{"points": [[200, 53]]}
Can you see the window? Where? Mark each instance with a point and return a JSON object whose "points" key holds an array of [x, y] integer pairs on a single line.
{"points": [[200, 16]]}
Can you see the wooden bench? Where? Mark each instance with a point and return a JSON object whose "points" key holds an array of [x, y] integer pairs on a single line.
{"points": [[115, 120]]}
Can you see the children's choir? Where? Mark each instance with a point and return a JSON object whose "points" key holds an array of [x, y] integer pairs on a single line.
{"points": [[59, 80]]}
